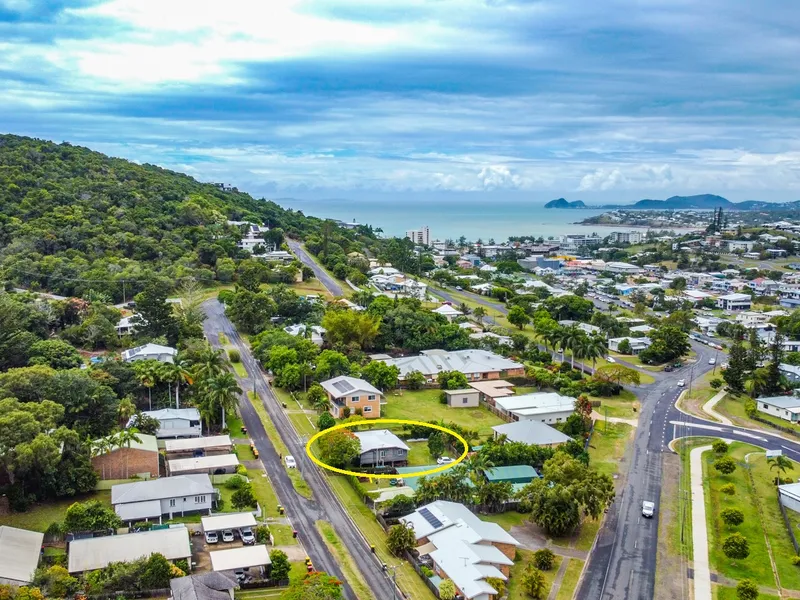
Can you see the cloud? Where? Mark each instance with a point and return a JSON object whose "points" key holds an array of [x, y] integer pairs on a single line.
{"points": [[418, 95]]}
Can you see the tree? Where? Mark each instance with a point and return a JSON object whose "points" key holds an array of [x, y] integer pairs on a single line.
{"points": [[382, 376], [734, 375], [401, 539], [583, 406], [719, 447], [728, 489], [279, 565], [732, 516], [147, 375], [725, 465], [624, 347], [736, 547], [218, 395], [125, 410], [331, 364], [318, 398], [618, 374], [452, 380], [781, 464], [123, 439], [668, 343], [57, 582], [243, 498], [533, 582], [747, 589], [415, 380], [325, 421], [479, 313], [316, 585], [90, 516], [56, 354], [154, 315], [543, 559], [339, 448], [157, 572], [518, 317], [716, 383], [345, 327], [447, 590], [436, 444]]}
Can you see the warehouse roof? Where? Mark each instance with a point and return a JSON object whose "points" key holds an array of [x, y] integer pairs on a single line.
{"points": [[205, 463]]}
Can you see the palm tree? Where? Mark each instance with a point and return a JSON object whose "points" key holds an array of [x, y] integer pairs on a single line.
{"points": [[147, 375], [101, 447], [125, 410], [363, 298], [178, 372], [781, 464], [208, 364], [476, 464], [167, 374], [553, 338], [593, 348], [569, 341], [757, 381], [479, 313], [124, 438], [222, 392], [464, 308]]}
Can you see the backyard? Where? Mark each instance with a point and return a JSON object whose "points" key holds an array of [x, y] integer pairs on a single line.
{"points": [[40, 516]]}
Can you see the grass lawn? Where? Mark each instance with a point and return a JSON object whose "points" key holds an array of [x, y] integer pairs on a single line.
{"points": [[757, 565], [418, 454], [515, 591], [234, 423], [424, 405], [262, 488], [408, 580], [239, 369], [607, 446], [727, 593], [507, 520], [282, 534], [301, 423], [570, 579], [733, 407], [345, 560], [243, 452], [40, 516], [621, 406]]}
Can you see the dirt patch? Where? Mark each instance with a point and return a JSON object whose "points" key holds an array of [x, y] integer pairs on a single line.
{"points": [[671, 577], [694, 406]]}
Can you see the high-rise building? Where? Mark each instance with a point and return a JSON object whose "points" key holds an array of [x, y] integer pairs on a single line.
{"points": [[626, 237], [421, 236]]}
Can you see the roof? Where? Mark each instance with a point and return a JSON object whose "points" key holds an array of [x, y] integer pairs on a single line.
{"points": [[378, 439], [148, 350], [734, 297], [139, 511], [239, 558], [146, 442], [95, 553], [187, 444], [436, 516], [447, 310], [785, 402], [468, 390], [188, 414], [166, 487], [205, 586], [792, 490], [20, 549], [494, 388], [221, 461], [431, 362], [538, 402], [343, 385], [465, 567], [511, 472], [532, 432], [228, 521]]}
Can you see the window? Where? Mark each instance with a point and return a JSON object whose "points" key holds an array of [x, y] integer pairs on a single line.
{"points": [[371, 397], [354, 399], [194, 423], [381, 453], [199, 499], [367, 409], [464, 400], [172, 502], [766, 406]]}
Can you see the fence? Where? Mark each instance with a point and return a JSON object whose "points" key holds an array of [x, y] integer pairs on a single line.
{"points": [[264, 583], [128, 594], [414, 563], [788, 524], [790, 430]]}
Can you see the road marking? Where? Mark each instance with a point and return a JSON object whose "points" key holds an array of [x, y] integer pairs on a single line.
{"points": [[697, 426], [787, 448], [750, 435]]}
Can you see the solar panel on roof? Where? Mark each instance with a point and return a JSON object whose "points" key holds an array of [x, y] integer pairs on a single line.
{"points": [[430, 518], [343, 386]]}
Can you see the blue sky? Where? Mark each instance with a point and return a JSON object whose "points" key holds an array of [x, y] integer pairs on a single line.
{"points": [[531, 99]]}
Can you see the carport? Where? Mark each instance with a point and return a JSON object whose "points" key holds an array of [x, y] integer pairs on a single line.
{"points": [[240, 558], [221, 522]]}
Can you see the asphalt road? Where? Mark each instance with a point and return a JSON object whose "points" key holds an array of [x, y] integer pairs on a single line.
{"points": [[321, 274], [623, 563], [303, 513]]}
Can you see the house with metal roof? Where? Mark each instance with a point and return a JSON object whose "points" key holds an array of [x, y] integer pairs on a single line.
{"points": [[463, 548], [476, 365], [219, 464], [245, 557], [150, 352], [149, 500], [783, 407], [381, 447], [198, 446], [20, 550], [547, 407], [531, 432], [175, 422], [203, 586], [518, 475], [353, 393], [90, 554]]}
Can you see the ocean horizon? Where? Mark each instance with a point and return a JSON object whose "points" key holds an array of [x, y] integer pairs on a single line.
{"points": [[491, 219]]}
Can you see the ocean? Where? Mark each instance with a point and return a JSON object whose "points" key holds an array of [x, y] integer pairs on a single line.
{"points": [[473, 218]]}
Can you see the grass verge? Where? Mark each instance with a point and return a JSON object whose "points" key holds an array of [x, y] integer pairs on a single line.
{"points": [[515, 591], [607, 446], [570, 580], [345, 560]]}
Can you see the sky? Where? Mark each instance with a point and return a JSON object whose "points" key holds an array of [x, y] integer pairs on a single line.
{"points": [[607, 101]]}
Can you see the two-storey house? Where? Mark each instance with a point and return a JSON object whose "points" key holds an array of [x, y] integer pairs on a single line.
{"points": [[353, 393]]}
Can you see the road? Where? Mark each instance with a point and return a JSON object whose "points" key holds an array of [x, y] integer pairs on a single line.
{"points": [[623, 563], [321, 274], [303, 513]]}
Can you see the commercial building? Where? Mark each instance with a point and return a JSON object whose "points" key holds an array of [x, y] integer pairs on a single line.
{"points": [[20, 550], [626, 237], [735, 302], [97, 553]]}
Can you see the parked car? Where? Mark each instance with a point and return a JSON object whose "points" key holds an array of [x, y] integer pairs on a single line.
{"points": [[211, 537], [291, 463], [247, 535], [648, 509], [459, 288], [669, 369], [712, 361], [444, 460], [227, 535], [610, 359], [681, 383]]}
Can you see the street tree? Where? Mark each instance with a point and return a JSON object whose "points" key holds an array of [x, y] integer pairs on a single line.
{"points": [[747, 589], [719, 447], [725, 465], [518, 317], [339, 448], [736, 547], [280, 566], [732, 516]]}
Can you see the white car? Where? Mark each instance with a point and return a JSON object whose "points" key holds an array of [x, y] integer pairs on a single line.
{"points": [[712, 361], [681, 383], [227, 535], [648, 509], [610, 359], [291, 463], [248, 538], [444, 460], [211, 537]]}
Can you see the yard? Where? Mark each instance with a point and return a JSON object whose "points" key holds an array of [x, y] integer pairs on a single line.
{"points": [[624, 406], [418, 454], [40, 516], [607, 446], [733, 407], [515, 590], [424, 405]]}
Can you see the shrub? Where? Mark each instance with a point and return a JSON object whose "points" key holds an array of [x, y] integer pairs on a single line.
{"points": [[720, 447], [796, 560], [415, 380], [750, 408], [182, 564], [234, 355], [241, 470], [236, 482], [725, 465], [747, 589], [359, 411], [346, 412], [429, 572], [243, 497], [728, 489], [262, 534], [401, 539], [732, 517], [543, 559], [325, 421]]}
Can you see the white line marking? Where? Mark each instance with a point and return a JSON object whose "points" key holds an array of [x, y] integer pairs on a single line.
{"points": [[697, 426]]}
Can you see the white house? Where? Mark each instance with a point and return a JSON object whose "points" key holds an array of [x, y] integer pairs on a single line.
{"points": [[637, 344], [488, 335], [751, 319], [735, 302], [547, 407], [532, 433], [171, 496], [448, 312], [175, 422], [125, 326], [739, 245], [150, 352], [255, 237], [622, 268], [316, 336], [784, 407], [475, 364]]}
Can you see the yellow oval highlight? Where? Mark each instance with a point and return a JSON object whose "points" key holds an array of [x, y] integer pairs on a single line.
{"points": [[389, 476]]}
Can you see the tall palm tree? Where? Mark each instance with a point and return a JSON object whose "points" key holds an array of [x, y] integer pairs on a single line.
{"points": [[569, 341], [101, 447], [476, 464], [781, 464], [125, 410], [593, 348], [757, 381], [124, 438], [553, 338], [178, 372], [208, 364], [479, 313], [222, 391], [167, 374], [147, 376]]}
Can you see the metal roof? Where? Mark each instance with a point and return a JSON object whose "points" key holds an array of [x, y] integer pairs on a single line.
{"points": [[228, 521], [186, 444], [221, 461], [96, 553], [157, 489], [19, 549], [239, 558]]}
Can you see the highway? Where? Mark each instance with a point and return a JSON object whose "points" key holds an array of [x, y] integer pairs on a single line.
{"points": [[303, 513], [321, 274]]}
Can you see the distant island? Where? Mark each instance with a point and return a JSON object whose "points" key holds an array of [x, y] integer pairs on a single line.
{"points": [[698, 202], [561, 203]]}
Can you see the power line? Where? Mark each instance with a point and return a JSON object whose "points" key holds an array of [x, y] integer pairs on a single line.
{"points": [[124, 280]]}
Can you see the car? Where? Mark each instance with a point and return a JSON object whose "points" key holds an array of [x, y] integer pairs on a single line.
{"points": [[444, 460], [610, 359], [712, 361], [459, 288], [227, 535], [681, 383], [648, 509], [247, 535], [291, 463], [211, 537], [669, 369]]}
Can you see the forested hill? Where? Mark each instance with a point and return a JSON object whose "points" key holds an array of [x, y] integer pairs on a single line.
{"points": [[72, 219]]}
